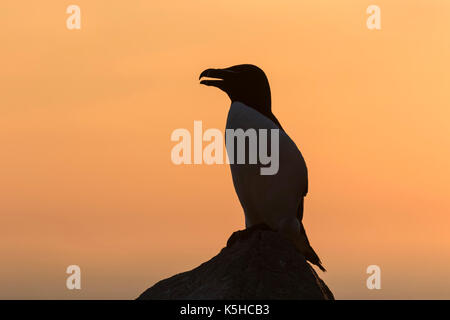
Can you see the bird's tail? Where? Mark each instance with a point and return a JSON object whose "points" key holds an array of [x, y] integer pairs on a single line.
{"points": [[309, 252]]}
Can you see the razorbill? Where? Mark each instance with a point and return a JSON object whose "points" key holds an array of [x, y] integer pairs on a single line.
{"points": [[277, 199]]}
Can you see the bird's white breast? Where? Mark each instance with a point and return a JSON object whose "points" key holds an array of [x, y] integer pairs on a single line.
{"points": [[267, 198]]}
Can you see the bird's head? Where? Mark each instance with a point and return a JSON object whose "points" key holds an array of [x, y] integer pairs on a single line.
{"points": [[245, 83]]}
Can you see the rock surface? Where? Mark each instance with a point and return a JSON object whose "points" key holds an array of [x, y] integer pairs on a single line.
{"points": [[257, 263]]}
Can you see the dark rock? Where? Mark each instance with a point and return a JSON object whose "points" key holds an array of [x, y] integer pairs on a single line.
{"points": [[257, 263]]}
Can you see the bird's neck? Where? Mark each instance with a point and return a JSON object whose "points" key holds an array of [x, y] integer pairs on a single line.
{"points": [[266, 111], [275, 120]]}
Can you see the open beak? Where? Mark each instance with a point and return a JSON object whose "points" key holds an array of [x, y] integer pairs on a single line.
{"points": [[219, 76]]}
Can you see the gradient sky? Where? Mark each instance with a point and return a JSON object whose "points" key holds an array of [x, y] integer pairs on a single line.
{"points": [[86, 117]]}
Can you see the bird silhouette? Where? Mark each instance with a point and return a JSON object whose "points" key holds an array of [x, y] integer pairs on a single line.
{"points": [[276, 200]]}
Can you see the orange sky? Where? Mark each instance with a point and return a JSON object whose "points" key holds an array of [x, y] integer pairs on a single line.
{"points": [[86, 117]]}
